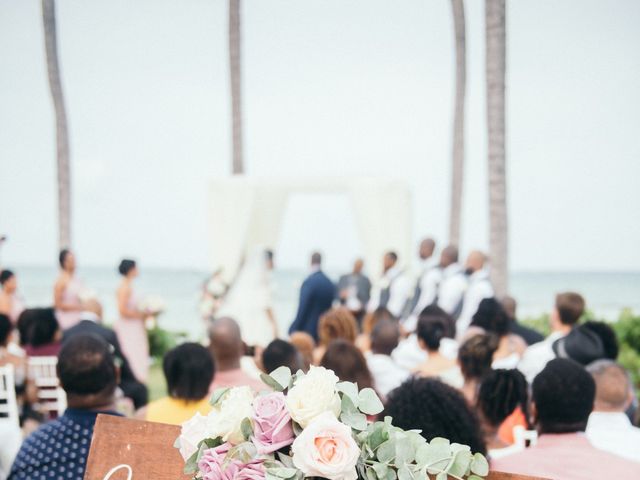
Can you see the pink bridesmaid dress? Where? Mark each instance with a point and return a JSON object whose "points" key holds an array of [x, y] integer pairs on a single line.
{"points": [[70, 295], [132, 336], [17, 307]]}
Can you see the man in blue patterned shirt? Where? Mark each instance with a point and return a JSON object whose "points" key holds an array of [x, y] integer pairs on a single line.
{"points": [[59, 449]]}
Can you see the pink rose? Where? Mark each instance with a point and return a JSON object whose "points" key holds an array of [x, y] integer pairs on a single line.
{"points": [[273, 429], [210, 465], [251, 471]]}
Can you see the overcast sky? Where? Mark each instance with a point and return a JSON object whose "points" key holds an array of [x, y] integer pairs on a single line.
{"points": [[331, 88]]}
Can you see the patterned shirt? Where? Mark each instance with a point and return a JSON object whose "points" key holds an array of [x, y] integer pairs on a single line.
{"points": [[57, 449]]}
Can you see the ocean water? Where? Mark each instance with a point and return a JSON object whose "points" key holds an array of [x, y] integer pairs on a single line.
{"points": [[607, 293]]}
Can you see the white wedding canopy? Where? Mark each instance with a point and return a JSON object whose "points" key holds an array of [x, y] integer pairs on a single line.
{"points": [[246, 213]]}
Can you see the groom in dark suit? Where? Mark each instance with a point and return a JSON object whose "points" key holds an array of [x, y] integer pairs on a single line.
{"points": [[316, 295]]}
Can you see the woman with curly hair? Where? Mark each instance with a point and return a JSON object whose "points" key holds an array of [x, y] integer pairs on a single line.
{"points": [[437, 410], [337, 323]]}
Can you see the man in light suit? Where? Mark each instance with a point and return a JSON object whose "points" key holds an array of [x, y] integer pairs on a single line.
{"points": [[316, 296]]}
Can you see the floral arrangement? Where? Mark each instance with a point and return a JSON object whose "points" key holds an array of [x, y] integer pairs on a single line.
{"points": [[318, 428], [152, 305]]}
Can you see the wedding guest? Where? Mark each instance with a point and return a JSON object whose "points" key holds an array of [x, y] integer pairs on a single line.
{"points": [[188, 370], [130, 326], [393, 289], [91, 324], [59, 449], [227, 348], [529, 335], [316, 296], [607, 336], [479, 287], [563, 396], [10, 303], [453, 283], [348, 363], [501, 393], [43, 334], [66, 291], [386, 373], [474, 359], [280, 353], [491, 318], [6, 357], [582, 345], [426, 288], [337, 323], [371, 319], [354, 290], [433, 325], [609, 427], [305, 344], [568, 309], [437, 410]]}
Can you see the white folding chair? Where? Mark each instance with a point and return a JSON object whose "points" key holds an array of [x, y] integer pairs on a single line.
{"points": [[51, 398], [8, 403]]}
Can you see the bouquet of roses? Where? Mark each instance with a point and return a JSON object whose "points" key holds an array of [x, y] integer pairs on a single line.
{"points": [[312, 425]]}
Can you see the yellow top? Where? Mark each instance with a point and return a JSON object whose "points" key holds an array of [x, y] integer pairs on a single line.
{"points": [[176, 411]]}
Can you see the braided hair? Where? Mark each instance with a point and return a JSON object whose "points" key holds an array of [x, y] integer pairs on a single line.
{"points": [[501, 392]]}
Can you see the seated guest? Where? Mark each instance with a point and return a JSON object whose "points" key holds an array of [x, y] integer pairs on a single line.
{"points": [[432, 328], [227, 348], [371, 319], [609, 427], [59, 449], [91, 323], [491, 318], [387, 374], [348, 363], [582, 345], [280, 353], [44, 334], [474, 359], [188, 369], [10, 303], [563, 396], [566, 312], [337, 323], [607, 337], [6, 357], [501, 393], [437, 410], [305, 344], [529, 335]]}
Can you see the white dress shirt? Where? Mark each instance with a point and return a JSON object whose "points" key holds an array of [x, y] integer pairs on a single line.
{"points": [[536, 356], [613, 432], [387, 374], [398, 292], [478, 289], [452, 288]]}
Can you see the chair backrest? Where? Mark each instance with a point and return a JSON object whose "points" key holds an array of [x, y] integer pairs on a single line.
{"points": [[8, 403], [51, 398], [524, 438]]}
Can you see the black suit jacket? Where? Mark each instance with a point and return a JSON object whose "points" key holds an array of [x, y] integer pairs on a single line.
{"points": [[316, 296]]}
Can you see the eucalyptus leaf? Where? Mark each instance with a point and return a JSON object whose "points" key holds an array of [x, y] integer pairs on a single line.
{"points": [[404, 473], [391, 474], [429, 455], [404, 450], [347, 406], [368, 402], [386, 452], [271, 382], [474, 477], [286, 460], [371, 474], [355, 420], [217, 395], [247, 428], [191, 465], [441, 476], [479, 465], [378, 435], [283, 472], [282, 375], [460, 465], [381, 470], [350, 390], [297, 429]]}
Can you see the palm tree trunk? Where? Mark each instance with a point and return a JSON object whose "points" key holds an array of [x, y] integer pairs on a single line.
{"points": [[62, 136], [457, 166], [236, 87], [495, 72]]}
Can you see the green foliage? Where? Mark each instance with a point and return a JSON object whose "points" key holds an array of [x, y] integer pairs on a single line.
{"points": [[539, 324], [627, 329], [161, 341]]}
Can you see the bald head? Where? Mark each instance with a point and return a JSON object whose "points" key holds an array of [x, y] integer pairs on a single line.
{"points": [[613, 387], [448, 256], [358, 265], [385, 337], [225, 342], [427, 246], [475, 261]]}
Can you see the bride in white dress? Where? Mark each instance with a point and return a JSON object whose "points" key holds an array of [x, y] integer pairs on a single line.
{"points": [[248, 300]]}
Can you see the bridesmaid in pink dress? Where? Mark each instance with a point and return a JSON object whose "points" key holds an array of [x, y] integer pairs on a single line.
{"points": [[66, 292], [130, 327], [10, 303]]}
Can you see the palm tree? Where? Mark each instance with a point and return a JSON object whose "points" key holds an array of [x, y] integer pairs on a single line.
{"points": [[495, 32], [236, 87], [457, 166], [62, 136]]}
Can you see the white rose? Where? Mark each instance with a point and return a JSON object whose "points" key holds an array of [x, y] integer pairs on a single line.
{"points": [[225, 420], [313, 395], [326, 449], [193, 432]]}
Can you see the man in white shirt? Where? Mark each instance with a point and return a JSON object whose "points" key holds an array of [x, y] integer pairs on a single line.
{"points": [[453, 283], [609, 427], [568, 309], [478, 289], [387, 374], [392, 291], [426, 288]]}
